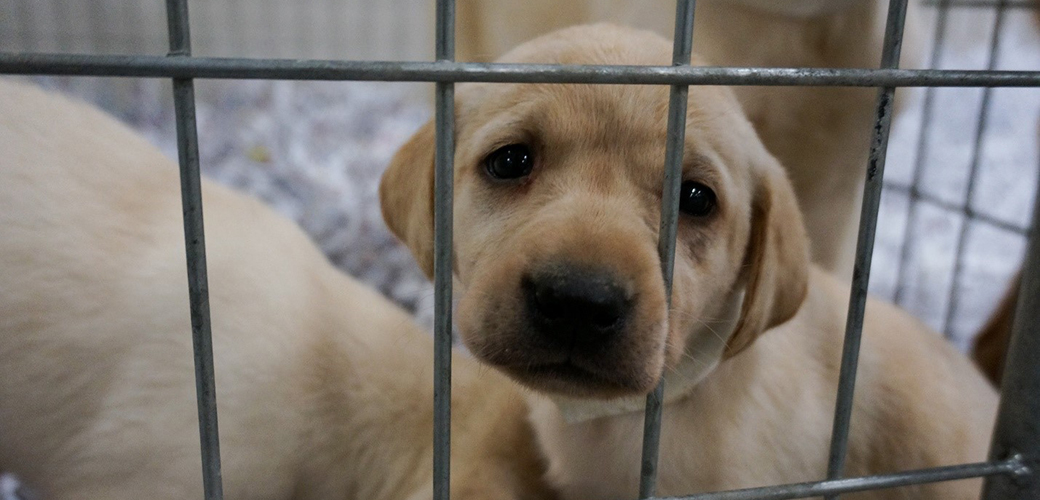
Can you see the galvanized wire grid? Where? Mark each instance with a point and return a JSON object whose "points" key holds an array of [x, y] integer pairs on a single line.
{"points": [[918, 196], [1016, 445]]}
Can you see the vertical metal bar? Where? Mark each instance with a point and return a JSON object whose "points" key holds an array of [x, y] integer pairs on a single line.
{"points": [[442, 244], [681, 52], [1017, 433], [195, 251], [973, 171], [865, 245], [923, 146]]}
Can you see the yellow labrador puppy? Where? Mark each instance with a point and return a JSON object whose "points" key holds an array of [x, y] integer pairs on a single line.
{"points": [[820, 135], [324, 387], [557, 195]]}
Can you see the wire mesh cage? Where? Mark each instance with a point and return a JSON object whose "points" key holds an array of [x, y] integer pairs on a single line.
{"points": [[942, 275], [1015, 444]]}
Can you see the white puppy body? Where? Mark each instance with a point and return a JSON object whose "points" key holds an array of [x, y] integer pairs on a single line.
{"points": [[324, 388]]}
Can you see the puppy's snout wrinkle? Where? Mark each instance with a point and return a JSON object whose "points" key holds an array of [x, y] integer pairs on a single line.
{"points": [[577, 308]]}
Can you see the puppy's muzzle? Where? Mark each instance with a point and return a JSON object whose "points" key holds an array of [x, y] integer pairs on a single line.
{"points": [[576, 309]]}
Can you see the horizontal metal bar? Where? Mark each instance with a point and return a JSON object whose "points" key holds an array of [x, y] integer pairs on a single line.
{"points": [[444, 71], [854, 484], [983, 4], [970, 213]]}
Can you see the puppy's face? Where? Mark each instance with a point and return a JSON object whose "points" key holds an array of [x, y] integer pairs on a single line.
{"points": [[557, 210]]}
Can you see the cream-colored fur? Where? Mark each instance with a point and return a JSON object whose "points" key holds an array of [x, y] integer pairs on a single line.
{"points": [[591, 203], [764, 417], [324, 388], [820, 135]]}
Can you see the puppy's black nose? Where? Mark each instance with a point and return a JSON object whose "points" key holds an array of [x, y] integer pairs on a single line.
{"points": [[570, 305]]}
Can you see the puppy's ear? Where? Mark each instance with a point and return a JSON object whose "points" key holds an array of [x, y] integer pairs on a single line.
{"points": [[406, 196], [777, 260]]}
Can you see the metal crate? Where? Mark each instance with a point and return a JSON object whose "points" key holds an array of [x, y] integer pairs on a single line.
{"points": [[1015, 453]]}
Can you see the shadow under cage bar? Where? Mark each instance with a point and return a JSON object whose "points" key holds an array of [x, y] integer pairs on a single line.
{"points": [[442, 254], [865, 245], [677, 101], [195, 252]]}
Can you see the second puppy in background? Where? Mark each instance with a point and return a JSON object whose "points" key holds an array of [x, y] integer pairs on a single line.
{"points": [[820, 135], [324, 386]]}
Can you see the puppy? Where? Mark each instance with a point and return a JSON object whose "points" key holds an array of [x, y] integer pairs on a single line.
{"points": [[557, 200], [820, 135], [324, 388]]}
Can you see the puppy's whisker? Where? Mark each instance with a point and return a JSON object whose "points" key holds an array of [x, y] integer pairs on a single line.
{"points": [[700, 317], [713, 332], [686, 354], [694, 358]]}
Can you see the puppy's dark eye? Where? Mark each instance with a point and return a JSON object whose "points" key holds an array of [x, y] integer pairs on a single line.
{"points": [[510, 162], [696, 199]]}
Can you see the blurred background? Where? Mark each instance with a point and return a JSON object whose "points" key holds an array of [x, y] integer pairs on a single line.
{"points": [[321, 29], [315, 150]]}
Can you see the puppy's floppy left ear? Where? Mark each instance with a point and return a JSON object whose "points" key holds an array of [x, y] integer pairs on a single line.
{"points": [[776, 262], [406, 196]]}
